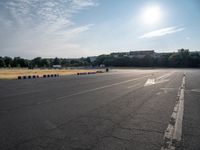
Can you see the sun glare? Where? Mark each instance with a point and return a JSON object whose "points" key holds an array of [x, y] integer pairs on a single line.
{"points": [[152, 15]]}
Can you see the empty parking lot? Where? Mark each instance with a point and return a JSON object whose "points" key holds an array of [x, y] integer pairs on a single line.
{"points": [[119, 110]]}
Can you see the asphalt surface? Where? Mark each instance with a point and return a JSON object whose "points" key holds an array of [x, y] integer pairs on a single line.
{"points": [[119, 110]]}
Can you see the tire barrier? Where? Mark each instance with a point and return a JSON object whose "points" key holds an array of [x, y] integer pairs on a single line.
{"points": [[37, 76], [99, 71], [82, 73], [91, 72], [50, 75], [85, 73]]}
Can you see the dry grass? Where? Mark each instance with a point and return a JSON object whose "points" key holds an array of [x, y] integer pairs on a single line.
{"points": [[14, 73]]}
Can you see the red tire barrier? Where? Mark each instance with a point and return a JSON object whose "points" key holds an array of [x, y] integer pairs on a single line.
{"points": [[99, 71], [82, 73], [50, 75], [37, 76], [91, 72]]}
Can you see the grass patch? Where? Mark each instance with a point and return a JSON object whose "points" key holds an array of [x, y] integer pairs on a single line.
{"points": [[14, 73]]}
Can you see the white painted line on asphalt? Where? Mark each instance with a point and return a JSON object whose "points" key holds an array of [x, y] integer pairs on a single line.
{"points": [[173, 133], [165, 90], [168, 88], [165, 76], [193, 90], [102, 87], [149, 82], [158, 80]]}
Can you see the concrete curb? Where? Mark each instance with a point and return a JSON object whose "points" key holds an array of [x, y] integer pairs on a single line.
{"points": [[173, 133]]}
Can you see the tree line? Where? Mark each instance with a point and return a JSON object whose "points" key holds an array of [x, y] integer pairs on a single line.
{"points": [[183, 58], [38, 62]]}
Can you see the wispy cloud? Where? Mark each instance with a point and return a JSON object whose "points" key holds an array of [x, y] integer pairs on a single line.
{"points": [[41, 27], [162, 32], [79, 4]]}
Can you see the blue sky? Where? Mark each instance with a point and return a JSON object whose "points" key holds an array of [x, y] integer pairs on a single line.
{"points": [[76, 28]]}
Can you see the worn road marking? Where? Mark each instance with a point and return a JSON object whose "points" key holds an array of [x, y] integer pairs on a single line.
{"points": [[168, 88], [173, 133], [149, 82], [165, 90], [165, 76], [102, 87], [193, 90], [158, 80]]}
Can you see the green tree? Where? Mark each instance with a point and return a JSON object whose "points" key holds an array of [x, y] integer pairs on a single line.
{"points": [[19, 62], [8, 61], [36, 62], [45, 63], [194, 59], [174, 60], [56, 61], [2, 63]]}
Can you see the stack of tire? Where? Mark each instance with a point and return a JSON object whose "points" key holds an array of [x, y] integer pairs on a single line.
{"points": [[37, 76], [50, 75], [28, 77]]}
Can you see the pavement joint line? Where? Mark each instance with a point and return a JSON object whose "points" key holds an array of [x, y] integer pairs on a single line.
{"points": [[173, 133], [102, 87]]}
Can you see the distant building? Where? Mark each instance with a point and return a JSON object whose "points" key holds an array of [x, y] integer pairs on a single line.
{"points": [[136, 54], [57, 66], [142, 54], [120, 54], [183, 50]]}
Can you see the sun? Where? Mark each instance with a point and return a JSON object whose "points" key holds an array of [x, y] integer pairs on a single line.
{"points": [[152, 15]]}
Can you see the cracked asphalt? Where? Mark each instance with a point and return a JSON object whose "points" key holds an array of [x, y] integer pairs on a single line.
{"points": [[110, 111]]}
